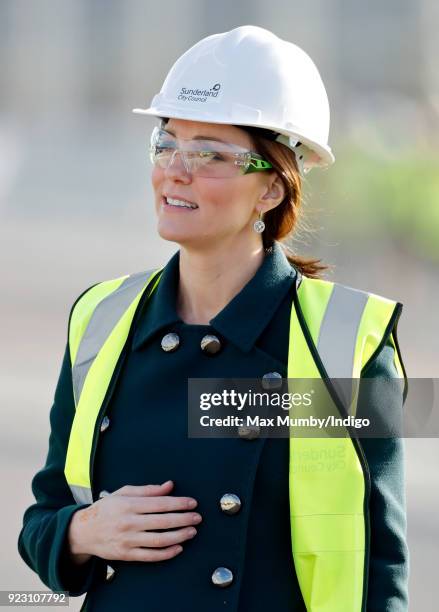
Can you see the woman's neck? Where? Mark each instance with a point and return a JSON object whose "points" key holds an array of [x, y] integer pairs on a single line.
{"points": [[210, 280]]}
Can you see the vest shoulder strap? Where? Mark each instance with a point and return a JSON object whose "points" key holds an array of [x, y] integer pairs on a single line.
{"points": [[83, 309], [95, 315], [356, 321]]}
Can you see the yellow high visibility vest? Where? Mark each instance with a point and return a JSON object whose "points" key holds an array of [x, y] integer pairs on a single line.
{"points": [[329, 512]]}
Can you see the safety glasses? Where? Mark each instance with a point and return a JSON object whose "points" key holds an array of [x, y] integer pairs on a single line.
{"points": [[204, 158]]}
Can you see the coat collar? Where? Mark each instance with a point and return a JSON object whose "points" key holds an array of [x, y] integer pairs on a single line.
{"points": [[241, 321]]}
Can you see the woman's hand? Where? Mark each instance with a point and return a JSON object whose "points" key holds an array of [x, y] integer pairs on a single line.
{"points": [[124, 524]]}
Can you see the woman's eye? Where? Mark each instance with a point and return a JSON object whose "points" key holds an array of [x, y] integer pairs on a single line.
{"points": [[208, 156], [165, 146], [213, 156]]}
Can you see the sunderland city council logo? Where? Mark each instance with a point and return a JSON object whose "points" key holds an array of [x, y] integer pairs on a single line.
{"points": [[199, 95]]}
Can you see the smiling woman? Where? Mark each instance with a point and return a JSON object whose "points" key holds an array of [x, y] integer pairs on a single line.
{"points": [[281, 524], [281, 176]]}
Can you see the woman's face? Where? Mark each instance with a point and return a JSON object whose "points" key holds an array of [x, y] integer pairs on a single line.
{"points": [[227, 207]]}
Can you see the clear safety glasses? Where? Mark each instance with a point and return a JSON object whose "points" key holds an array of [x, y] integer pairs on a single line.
{"points": [[205, 158]]}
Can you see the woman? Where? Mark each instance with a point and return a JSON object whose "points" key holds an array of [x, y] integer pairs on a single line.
{"points": [[129, 508]]}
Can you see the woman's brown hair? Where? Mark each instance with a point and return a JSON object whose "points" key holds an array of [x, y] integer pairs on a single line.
{"points": [[281, 221]]}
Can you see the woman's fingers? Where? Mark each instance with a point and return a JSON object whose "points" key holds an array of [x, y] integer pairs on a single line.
{"points": [[145, 490], [154, 554], [155, 539], [160, 503], [168, 520], [154, 498]]}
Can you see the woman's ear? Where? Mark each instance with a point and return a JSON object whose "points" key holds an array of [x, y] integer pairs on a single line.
{"points": [[274, 191]]}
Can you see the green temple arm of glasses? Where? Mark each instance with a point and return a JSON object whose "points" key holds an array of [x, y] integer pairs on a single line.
{"points": [[257, 164]]}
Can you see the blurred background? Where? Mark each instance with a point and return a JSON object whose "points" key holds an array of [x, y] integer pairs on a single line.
{"points": [[76, 205]]}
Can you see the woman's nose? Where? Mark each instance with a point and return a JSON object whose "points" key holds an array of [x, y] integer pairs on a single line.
{"points": [[176, 168]]}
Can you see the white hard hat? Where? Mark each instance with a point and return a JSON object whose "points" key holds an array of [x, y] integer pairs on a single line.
{"points": [[250, 77]]}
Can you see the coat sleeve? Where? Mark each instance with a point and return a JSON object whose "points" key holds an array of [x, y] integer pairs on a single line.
{"points": [[389, 556], [42, 542]]}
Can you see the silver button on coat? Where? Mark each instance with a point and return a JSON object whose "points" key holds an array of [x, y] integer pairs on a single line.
{"points": [[210, 344], [222, 577], [272, 380], [103, 494], [105, 423], [110, 573], [248, 433], [170, 342], [230, 503]]}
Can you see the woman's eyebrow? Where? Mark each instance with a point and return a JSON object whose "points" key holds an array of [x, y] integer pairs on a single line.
{"points": [[198, 137]]}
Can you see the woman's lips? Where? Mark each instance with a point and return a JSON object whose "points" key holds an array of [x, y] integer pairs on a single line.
{"points": [[169, 207]]}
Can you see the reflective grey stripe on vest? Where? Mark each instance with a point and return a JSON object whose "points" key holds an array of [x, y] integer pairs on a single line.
{"points": [[105, 316], [81, 495], [339, 330]]}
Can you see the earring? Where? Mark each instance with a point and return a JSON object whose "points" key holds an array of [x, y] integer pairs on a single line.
{"points": [[259, 225]]}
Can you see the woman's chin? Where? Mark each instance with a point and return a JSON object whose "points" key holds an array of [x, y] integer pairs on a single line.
{"points": [[187, 239], [175, 234]]}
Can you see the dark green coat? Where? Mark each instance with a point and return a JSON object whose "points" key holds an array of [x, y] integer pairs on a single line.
{"points": [[146, 442]]}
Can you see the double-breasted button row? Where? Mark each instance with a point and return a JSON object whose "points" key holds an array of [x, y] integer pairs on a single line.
{"points": [[210, 344], [230, 504]]}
